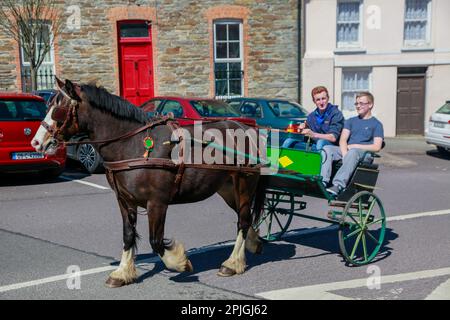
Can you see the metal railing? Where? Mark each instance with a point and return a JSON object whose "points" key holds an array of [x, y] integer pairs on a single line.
{"points": [[45, 79]]}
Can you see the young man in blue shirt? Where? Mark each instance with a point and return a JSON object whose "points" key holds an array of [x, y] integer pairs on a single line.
{"points": [[360, 134], [323, 125]]}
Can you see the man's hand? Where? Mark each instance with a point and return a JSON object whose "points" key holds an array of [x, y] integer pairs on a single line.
{"points": [[308, 133]]}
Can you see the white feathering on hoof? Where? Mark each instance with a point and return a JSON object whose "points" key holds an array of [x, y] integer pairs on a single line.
{"points": [[175, 258], [126, 271], [237, 261]]}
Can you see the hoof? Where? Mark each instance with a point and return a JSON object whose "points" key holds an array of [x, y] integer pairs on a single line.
{"points": [[188, 266], [115, 283], [226, 272]]}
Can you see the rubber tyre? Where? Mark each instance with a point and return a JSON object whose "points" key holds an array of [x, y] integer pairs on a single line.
{"points": [[90, 158], [444, 152]]}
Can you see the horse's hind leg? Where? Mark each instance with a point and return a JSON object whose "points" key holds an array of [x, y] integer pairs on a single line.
{"points": [[236, 263], [126, 273], [172, 254]]}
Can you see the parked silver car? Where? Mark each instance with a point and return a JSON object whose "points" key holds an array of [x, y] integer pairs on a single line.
{"points": [[438, 130]]}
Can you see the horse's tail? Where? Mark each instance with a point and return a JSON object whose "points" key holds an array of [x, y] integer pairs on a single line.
{"points": [[258, 199]]}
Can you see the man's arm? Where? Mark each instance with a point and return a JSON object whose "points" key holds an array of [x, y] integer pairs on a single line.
{"points": [[343, 141], [374, 147]]}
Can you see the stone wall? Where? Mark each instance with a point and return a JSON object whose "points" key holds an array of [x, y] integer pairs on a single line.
{"points": [[182, 45]]}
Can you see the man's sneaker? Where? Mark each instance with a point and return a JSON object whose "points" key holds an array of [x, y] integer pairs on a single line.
{"points": [[334, 190]]}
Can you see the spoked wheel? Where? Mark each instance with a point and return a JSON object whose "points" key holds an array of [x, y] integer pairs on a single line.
{"points": [[362, 229], [275, 219]]}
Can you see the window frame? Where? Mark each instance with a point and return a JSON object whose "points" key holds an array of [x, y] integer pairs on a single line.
{"points": [[415, 42], [25, 65], [240, 60], [347, 44], [369, 71]]}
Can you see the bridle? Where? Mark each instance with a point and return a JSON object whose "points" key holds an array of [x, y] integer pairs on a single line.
{"points": [[62, 114]]}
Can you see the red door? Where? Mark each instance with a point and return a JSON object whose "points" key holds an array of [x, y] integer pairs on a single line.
{"points": [[136, 64]]}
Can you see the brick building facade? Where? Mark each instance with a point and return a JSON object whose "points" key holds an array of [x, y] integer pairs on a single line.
{"points": [[185, 39]]}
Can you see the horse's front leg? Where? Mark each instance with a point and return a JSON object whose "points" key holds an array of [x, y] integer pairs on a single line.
{"points": [[172, 254], [126, 273]]}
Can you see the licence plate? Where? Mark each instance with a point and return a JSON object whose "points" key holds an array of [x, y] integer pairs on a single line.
{"points": [[439, 124], [26, 155]]}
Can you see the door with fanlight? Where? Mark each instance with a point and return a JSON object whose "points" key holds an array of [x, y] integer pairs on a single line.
{"points": [[136, 61]]}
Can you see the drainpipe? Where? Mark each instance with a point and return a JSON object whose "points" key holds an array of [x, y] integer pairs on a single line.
{"points": [[301, 44]]}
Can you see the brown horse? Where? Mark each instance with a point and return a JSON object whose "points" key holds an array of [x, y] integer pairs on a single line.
{"points": [[91, 110]]}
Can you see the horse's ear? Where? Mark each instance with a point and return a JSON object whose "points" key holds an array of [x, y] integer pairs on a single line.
{"points": [[73, 90], [59, 83]]}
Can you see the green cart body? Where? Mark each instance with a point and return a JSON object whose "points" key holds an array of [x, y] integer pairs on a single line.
{"points": [[357, 211]]}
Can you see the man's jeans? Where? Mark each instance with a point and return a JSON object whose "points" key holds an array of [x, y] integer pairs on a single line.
{"points": [[349, 163], [297, 144]]}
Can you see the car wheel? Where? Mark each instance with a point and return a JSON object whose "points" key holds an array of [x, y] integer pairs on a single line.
{"points": [[443, 151], [90, 158]]}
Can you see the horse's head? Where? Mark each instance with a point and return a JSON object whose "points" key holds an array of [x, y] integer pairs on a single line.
{"points": [[61, 122]]}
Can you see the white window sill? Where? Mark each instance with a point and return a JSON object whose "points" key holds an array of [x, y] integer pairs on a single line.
{"points": [[350, 51], [408, 48]]}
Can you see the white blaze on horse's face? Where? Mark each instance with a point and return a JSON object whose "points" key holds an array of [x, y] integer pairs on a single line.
{"points": [[43, 140]]}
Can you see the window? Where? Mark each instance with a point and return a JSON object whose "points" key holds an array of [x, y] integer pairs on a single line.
{"points": [[417, 16], [228, 52], [21, 110], [348, 24], [45, 73], [285, 109], [211, 108], [353, 82], [134, 30], [251, 109], [174, 107]]}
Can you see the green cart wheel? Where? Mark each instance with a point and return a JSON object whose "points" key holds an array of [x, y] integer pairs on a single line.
{"points": [[362, 228], [275, 219]]}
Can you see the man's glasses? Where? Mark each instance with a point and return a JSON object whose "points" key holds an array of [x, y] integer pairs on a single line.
{"points": [[361, 104]]}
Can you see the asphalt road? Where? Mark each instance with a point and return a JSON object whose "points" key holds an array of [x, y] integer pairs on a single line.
{"points": [[48, 227]]}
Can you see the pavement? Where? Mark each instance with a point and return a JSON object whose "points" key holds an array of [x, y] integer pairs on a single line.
{"points": [[396, 148]]}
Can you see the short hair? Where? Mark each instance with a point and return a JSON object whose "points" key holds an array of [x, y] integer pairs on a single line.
{"points": [[366, 94], [318, 90]]}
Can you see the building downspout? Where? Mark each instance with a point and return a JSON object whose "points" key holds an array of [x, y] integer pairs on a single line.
{"points": [[301, 44]]}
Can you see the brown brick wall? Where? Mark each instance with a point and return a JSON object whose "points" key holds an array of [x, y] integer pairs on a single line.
{"points": [[182, 45]]}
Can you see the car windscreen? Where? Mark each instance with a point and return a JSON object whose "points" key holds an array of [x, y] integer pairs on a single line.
{"points": [[285, 109], [445, 109], [210, 108], [21, 110]]}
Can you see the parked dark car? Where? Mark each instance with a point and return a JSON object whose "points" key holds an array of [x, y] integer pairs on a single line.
{"points": [[20, 117], [272, 113], [47, 94], [187, 109], [86, 154]]}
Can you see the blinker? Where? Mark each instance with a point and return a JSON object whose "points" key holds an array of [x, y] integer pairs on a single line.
{"points": [[59, 114]]}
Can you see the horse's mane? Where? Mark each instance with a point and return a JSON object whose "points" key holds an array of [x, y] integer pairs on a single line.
{"points": [[101, 99]]}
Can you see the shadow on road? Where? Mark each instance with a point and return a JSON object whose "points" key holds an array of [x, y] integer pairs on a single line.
{"points": [[35, 178], [436, 154], [329, 242]]}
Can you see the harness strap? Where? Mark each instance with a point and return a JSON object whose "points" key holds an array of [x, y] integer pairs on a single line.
{"points": [[124, 136]]}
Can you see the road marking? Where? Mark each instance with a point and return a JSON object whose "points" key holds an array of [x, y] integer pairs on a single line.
{"points": [[419, 215], [320, 291], [440, 293], [54, 279], [193, 251], [85, 183]]}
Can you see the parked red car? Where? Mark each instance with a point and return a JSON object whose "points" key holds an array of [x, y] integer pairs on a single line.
{"points": [[20, 118], [187, 109]]}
